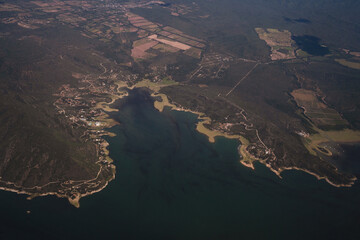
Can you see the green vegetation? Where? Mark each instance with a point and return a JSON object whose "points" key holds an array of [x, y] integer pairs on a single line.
{"points": [[313, 141], [320, 114], [61, 66], [350, 64]]}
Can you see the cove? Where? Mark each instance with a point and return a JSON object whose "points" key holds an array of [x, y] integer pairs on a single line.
{"points": [[171, 183]]}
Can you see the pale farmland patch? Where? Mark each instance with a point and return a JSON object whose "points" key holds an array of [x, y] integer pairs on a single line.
{"points": [[141, 46], [165, 48], [280, 42], [350, 64], [178, 45], [316, 110]]}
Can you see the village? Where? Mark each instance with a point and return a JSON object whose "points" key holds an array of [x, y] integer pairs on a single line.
{"points": [[106, 21], [85, 107]]}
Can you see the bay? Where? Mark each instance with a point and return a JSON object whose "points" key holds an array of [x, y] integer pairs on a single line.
{"points": [[171, 183]]}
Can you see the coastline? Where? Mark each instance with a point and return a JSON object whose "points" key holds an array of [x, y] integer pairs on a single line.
{"points": [[247, 159], [73, 200], [315, 175], [313, 141]]}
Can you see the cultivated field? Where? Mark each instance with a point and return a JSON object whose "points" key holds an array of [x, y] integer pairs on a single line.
{"points": [[174, 44], [318, 112], [140, 47], [168, 39], [279, 41], [350, 64]]}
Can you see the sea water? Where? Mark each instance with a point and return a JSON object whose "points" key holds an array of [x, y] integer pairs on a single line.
{"points": [[171, 183]]}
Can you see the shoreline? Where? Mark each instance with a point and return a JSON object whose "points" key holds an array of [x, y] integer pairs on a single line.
{"points": [[72, 201], [278, 172], [104, 118], [247, 158], [314, 141]]}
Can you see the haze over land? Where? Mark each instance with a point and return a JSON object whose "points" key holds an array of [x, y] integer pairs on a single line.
{"points": [[280, 77]]}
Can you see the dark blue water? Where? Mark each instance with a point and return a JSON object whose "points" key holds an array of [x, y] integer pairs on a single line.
{"points": [[297, 20], [171, 183], [347, 158], [311, 45]]}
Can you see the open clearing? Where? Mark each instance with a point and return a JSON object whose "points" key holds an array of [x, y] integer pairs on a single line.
{"points": [[346, 63], [165, 48], [279, 41], [140, 47], [178, 45], [312, 142], [318, 112]]}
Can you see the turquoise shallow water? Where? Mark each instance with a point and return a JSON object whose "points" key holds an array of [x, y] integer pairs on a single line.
{"points": [[171, 183]]}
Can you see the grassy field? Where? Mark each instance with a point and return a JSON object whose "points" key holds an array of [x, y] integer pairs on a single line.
{"points": [[32, 69], [318, 112], [313, 141], [350, 64], [155, 86], [282, 46]]}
